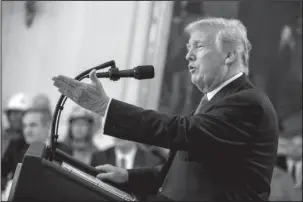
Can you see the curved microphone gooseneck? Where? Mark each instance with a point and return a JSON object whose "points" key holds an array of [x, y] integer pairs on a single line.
{"points": [[51, 150]]}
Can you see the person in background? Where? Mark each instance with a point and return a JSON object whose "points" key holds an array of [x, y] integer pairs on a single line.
{"points": [[286, 182], [282, 186], [4, 122], [101, 141], [36, 127], [125, 154], [41, 101], [289, 157], [294, 164], [17, 105], [80, 133]]}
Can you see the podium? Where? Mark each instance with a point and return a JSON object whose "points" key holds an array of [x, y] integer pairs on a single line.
{"points": [[63, 179]]}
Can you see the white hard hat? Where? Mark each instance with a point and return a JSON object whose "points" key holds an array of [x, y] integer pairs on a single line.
{"points": [[18, 101], [41, 101], [79, 112]]}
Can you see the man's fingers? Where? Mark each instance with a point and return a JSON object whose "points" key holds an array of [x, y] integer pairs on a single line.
{"points": [[67, 93], [60, 84], [67, 80], [106, 176], [94, 79], [104, 168], [66, 86]]}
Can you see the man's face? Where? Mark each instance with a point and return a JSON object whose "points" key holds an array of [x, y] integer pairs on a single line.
{"points": [[80, 128], [33, 128], [15, 118], [206, 62]]}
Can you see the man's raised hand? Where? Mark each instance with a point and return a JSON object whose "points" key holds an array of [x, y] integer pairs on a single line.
{"points": [[89, 96]]}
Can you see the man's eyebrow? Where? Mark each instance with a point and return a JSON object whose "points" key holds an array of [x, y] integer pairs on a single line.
{"points": [[201, 40]]}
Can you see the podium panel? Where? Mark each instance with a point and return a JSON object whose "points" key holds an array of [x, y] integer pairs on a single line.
{"points": [[38, 179]]}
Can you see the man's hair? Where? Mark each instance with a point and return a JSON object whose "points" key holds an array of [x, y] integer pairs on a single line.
{"points": [[229, 31], [46, 116]]}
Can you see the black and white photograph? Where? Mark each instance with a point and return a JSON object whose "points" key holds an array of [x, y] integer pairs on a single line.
{"points": [[151, 100]]}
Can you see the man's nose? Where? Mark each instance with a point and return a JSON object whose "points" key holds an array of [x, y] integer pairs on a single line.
{"points": [[190, 56]]}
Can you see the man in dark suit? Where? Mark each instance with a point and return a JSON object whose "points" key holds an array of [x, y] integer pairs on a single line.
{"points": [[224, 151], [125, 154]]}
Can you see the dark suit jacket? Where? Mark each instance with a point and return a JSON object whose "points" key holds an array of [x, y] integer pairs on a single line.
{"points": [[281, 162], [225, 152], [142, 158]]}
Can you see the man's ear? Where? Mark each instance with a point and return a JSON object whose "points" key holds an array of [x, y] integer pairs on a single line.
{"points": [[230, 57]]}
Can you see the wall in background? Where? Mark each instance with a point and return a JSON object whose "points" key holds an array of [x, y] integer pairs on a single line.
{"points": [[68, 38]]}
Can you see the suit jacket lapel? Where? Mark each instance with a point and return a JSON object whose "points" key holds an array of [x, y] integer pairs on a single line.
{"points": [[139, 158], [234, 86]]}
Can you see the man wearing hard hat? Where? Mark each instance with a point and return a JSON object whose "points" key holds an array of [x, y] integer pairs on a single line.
{"points": [[14, 112]]}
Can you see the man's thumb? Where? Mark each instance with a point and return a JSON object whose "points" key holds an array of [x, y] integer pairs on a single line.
{"points": [[94, 79]]}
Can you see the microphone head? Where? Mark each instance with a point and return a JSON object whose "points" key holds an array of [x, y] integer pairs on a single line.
{"points": [[144, 72]]}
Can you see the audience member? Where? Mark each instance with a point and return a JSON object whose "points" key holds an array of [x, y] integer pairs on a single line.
{"points": [[14, 112], [36, 127], [289, 158], [80, 133], [125, 154], [282, 186], [294, 164]]}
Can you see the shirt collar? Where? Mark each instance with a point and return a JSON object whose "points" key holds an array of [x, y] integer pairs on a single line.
{"points": [[127, 155], [290, 162], [211, 94]]}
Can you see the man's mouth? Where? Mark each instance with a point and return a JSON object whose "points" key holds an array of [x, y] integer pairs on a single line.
{"points": [[191, 68]]}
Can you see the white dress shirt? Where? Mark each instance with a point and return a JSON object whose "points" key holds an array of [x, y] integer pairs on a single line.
{"points": [[209, 95], [129, 157]]}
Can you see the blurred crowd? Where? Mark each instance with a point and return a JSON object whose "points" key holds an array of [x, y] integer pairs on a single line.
{"points": [[26, 120]]}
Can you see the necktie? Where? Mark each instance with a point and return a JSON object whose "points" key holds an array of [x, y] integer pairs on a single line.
{"points": [[203, 102], [123, 163], [293, 172]]}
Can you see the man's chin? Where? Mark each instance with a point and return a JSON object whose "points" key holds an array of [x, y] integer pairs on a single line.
{"points": [[195, 81]]}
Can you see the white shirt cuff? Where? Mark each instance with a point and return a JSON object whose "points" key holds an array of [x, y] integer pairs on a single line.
{"points": [[104, 117]]}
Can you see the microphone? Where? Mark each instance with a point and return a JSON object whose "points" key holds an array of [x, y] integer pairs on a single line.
{"points": [[140, 72]]}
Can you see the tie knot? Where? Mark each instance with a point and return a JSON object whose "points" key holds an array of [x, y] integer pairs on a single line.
{"points": [[205, 98]]}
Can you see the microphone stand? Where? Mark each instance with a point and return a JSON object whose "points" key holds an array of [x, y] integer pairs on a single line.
{"points": [[51, 150]]}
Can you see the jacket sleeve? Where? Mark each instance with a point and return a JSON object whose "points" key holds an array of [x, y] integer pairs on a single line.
{"points": [[227, 125], [145, 181]]}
